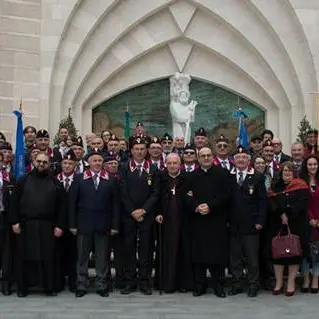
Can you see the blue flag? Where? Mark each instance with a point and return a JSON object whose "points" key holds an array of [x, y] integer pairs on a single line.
{"points": [[19, 164], [243, 136]]}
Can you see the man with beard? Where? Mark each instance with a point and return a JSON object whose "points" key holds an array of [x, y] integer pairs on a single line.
{"points": [[139, 193], [37, 217], [207, 197], [176, 274]]}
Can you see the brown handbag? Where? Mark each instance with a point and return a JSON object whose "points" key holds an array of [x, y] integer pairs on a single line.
{"points": [[286, 246]]}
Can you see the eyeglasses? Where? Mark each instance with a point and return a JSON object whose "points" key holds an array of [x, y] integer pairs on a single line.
{"points": [[42, 162], [222, 145], [189, 152]]}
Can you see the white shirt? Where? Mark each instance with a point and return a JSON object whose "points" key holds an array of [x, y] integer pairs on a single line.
{"points": [[271, 169], [277, 157], [64, 177], [97, 178], [224, 161], [139, 164], [189, 168], [157, 163], [238, 174]]}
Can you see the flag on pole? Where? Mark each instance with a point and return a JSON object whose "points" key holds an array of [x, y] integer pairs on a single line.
{"points": [[127, 123], [242, 129], [19, 164]]}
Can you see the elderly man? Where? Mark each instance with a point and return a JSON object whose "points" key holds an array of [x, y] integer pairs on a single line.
{"points": [[94, 210], [177, 274], [37, 217], [247, 218], [208, 193], [297, 154], [279, 156]]}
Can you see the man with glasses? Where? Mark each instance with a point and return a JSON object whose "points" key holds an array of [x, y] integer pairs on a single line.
{"points": [[207, 197], [155, 152], [37, 218], [167, 144], [222, 150], [279, 156], [189, 159]]}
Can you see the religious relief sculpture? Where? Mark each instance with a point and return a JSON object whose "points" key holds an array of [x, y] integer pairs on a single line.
{"points": [[181, 107]]}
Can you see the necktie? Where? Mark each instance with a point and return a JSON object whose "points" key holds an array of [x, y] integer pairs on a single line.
{"points": [[67, 184], [96, 184], [277, 158], [188, 169], [139, 169], [241, 178], [78, 168], [224, 164]]}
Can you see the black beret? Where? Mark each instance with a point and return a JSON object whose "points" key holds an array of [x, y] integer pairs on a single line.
{"points": [[114, 138], [5, 146], [95, 151], [166, 137], [43, 134], [69, 155], [138, 140], [189, 146], [139, 124], [255, 138], [201, 132], [222, 138], [241, 150], [155, 140], [110, 157]]}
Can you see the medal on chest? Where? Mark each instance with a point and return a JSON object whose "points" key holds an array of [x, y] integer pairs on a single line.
{"points": [[149, 180], [251, 189], [173, 190]]}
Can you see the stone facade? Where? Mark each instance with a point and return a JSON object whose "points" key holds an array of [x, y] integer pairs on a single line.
{"points": [[61, 53]]}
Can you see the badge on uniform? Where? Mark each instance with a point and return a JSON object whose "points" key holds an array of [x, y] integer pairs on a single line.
{"points": [[251, 189], [149, 180]]}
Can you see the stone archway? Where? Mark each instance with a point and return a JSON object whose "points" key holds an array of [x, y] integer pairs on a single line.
{"points": [[109, 47]]}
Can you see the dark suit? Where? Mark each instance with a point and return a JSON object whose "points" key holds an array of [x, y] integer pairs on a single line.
{"points": [[93, 212], [283, 158], [7, 241], [249, 208], [138, 191]]}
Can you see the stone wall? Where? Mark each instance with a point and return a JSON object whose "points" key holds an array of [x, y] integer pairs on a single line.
{"points": [[20, 30]]}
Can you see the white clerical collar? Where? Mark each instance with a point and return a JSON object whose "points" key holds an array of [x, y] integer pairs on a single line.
{"points": [[205, 169], [174, 175]]}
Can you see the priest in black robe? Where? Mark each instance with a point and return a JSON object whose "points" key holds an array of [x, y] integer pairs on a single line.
{"points": [[207, 195], [37, 218], [175, 246]]}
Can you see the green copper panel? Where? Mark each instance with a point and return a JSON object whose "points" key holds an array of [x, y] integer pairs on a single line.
{"points": [[149, 103]]}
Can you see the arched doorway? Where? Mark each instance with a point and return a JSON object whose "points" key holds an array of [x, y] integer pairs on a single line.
{"points": [[149, 103]]}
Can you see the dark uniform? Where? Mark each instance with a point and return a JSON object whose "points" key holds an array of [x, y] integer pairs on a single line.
{"points": [[248, 209], [7, 241], [93, 211], [139, 190]]}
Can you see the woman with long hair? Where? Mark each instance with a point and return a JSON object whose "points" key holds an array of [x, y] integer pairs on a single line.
{"points": [[288, 211], [310, 174]]}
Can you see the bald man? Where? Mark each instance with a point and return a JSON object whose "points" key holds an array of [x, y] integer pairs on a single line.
{"points": [[207, 196], [279, 156]]}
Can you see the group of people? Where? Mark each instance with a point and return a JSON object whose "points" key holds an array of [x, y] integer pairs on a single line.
{"points": [[200, 206]]}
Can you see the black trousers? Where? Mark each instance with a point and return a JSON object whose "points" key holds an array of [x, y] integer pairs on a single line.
{"points": [[144, 247], [244, 251], [85, 243], [7, 239], [217, 273]]}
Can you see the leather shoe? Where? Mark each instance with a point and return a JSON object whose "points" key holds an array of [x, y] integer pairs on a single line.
{"points": [[219, 291], [80, 293], [252, 291], [22, 294], [199, 292], [6, 292], [127, 290], [103, 293], [235, 291], [145, 290]]}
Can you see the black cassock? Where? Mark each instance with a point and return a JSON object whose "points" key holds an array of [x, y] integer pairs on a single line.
{"points": [[38, 208], [176, 261]]}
